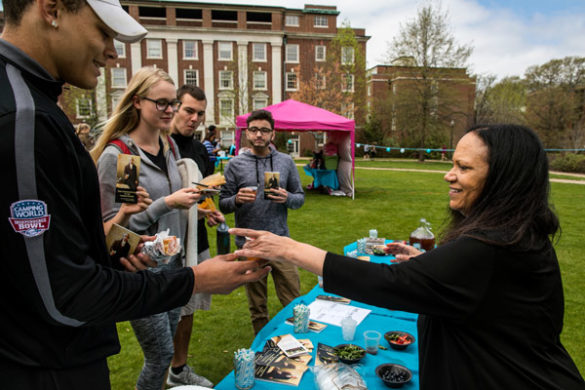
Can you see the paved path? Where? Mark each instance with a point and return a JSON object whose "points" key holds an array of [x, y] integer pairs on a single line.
{"points": [[567, 181]]}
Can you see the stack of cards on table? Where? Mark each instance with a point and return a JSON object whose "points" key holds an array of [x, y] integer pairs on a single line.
{"points": [[273, 365], [163, 247]]}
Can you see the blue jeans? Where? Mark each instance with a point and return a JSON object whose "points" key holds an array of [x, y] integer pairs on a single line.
{"points": [[155, 336]]}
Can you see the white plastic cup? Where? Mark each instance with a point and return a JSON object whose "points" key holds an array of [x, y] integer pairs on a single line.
{"points": [[348, 326], [373, 233], [372, 341]]}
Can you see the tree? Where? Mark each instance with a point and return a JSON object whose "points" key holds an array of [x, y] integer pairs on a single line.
{"points": [[429, 102], [501, 102], [555, 102]]}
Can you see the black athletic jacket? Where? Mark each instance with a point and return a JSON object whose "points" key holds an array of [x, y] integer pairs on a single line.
{"points": [[59, 295]]}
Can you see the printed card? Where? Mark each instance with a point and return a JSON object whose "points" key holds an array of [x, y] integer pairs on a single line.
{"points": [[127, 173], [271, 181]]}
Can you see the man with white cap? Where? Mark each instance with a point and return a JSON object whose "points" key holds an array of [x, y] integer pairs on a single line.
{"points": [[59, 293]]}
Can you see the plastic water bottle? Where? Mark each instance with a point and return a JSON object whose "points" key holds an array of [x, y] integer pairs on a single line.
{"points": [[223, 239]]}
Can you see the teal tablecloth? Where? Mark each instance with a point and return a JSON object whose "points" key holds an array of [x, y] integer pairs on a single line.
{"points": [[323, 177], [379, 319]]}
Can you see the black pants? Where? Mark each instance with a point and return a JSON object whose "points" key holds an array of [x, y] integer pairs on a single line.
{"points": [[94, 376]]}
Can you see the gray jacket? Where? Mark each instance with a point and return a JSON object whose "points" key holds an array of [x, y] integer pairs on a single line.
{"points": [[158, 216], [247, 170]]}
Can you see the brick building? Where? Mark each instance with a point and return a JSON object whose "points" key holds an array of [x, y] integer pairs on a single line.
{"points": [[387, 85], [243, 56]]}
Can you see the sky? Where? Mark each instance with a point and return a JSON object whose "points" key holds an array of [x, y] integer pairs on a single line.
{"points": [[508, 36]]}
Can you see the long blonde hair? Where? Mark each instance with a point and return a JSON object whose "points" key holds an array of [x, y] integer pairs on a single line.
{"points": [[126, 117]]}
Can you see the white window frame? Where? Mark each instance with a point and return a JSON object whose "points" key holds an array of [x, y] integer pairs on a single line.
{"points": [[195, 55], [120, 48], [223, 47], [262, 77], [223, 118], [259, 102], [345, 54], [348, 109], [294, 50], [320, 81], [324, 56], [259, 58], [321, 21], [152, 46], [289, 76], [345, 82], [291, 20], [186, 77], [78, 109], [118, 74], [115, 97], [228, 75]]}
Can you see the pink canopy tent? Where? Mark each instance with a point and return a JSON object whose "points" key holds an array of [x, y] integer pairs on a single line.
{"points": [[291, 115]]}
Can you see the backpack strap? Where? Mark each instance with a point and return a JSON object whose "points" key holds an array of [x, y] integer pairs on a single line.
{"points": [[121, 145], [172, 146]]}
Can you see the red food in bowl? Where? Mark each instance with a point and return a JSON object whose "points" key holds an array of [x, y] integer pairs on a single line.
{"points": [[399, 340]]}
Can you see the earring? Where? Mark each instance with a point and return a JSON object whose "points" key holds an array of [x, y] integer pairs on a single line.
{"points": [[54, 23]]}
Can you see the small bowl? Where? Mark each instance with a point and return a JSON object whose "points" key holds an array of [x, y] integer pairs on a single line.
{"points": [[362, 353], [393, 375], [393, 336]]}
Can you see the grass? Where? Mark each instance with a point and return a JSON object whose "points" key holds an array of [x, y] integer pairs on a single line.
{"points": [[391, 202]]}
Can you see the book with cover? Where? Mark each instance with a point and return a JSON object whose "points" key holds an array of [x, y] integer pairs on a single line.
{"points": [[127, 173], [313, 326], [273, 366], [325, 355]]}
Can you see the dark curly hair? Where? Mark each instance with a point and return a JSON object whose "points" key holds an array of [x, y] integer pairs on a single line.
{"points": [[513, 208]]}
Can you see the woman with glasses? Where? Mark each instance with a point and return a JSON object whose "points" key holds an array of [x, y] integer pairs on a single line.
{"points": [[140, 125]]}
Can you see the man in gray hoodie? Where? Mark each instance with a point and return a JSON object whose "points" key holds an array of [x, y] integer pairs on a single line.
{"points": [[243, 193]]}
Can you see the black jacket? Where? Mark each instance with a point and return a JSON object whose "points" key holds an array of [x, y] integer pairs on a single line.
{"points": [[59, 295]]}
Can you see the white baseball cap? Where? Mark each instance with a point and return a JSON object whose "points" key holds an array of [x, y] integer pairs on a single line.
{"points": [[113, 15]]}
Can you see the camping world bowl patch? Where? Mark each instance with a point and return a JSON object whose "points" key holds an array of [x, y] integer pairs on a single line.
{"points": [[29, 217]]}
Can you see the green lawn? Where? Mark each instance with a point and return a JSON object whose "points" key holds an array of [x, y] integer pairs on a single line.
{"points": [[391, 202]]}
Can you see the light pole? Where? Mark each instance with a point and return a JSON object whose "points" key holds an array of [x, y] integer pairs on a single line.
{"points": [[452, 124]]}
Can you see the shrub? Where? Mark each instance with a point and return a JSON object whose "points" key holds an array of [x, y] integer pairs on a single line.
{"points": [[569, 162]]}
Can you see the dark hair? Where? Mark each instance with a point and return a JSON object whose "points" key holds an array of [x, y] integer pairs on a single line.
{"points": [[260, 115], [192, 90], [14, 9], [210, 132], [513, 207]]}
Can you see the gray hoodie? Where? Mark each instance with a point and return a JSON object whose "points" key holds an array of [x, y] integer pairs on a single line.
{"points": [[247, 170]]}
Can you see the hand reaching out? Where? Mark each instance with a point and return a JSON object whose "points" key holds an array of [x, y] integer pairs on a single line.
{"points": [[401, 251]]}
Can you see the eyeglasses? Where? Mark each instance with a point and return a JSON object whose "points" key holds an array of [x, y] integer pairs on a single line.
{"points": [[263, 130], [163, 104]]}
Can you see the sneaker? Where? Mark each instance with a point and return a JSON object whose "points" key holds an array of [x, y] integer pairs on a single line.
{"points": [[188, 377]]}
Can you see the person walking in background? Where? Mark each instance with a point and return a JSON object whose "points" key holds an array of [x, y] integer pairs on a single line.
{"points": [[186, 121], [211, 144], [83, 132], [59, 294], [253, 211]]}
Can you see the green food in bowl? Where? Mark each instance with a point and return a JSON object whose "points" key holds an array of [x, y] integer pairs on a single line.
{"points": [[349, 353]]}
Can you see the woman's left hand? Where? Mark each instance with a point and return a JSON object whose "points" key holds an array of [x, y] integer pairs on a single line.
{"points": [[262, 244]]}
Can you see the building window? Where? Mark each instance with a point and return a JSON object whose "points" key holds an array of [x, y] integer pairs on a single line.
{"points": [[260, 81], [119, 78], [226, 79], [321, 21], [226, 111], [154, 48], [120, 49], [224, 51], [291, 81], [347, 54], [370, 90], [291, 20], [347, 110], [259, 52], [292, 53], [347, 83], [191, 77], [116, 96], [320, 81], [83, 107], [190, 50], [259, 103], [320, 53]]}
